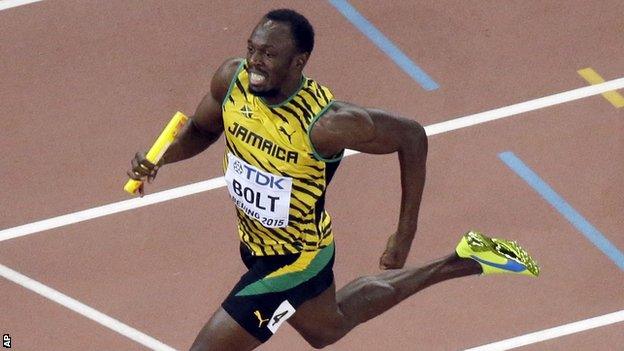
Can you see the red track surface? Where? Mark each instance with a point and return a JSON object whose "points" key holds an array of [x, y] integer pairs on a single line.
{"points": [[85, 84]]}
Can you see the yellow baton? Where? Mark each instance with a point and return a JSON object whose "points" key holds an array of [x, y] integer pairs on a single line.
{"points": [[161, 145]]}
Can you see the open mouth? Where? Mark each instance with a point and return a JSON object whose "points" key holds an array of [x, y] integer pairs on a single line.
{"points": [[259, 84], [256, 78]]}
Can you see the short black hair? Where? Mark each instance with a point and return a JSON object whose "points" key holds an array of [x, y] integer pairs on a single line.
{"points": [[300, 27]]}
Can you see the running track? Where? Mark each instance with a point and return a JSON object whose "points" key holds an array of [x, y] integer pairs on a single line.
{"points": [[85, 84]]}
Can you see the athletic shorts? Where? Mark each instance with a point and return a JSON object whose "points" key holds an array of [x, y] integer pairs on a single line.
{"points": [[275, 286]]}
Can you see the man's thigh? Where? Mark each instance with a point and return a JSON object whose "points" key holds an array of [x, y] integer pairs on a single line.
{"points": [[320, 317], [274, 288]]}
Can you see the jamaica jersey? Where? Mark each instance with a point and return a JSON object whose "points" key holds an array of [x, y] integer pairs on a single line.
{"points": [[274, 176]]}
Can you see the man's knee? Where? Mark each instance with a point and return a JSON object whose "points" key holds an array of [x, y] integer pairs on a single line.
{"points": [[421, 134], [365, 298]]}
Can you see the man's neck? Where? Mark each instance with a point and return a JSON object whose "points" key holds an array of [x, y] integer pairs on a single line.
{"points": [[287, 90]]}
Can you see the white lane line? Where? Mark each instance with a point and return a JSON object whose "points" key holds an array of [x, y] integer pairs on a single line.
{"points": [[552, 333], [526, 106], [115, 207], [214, 183], [83, 309], [7, 4]]}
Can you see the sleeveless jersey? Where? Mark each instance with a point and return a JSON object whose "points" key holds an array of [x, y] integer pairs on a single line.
{"points": [[273, 174]]}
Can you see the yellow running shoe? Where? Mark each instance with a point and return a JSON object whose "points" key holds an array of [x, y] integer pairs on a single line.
{"points": [[496, 255]]}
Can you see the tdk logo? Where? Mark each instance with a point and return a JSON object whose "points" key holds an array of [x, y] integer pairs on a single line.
{"points": [[238, 168], [261, 179]]}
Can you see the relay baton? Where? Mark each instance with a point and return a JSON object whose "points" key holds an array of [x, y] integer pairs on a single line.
{"points": [[161, 145]]}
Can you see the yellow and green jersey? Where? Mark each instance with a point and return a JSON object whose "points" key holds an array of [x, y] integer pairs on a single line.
{"points": [[274, 176]]}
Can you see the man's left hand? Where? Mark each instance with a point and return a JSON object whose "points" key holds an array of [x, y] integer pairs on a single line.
{"points": [[396, 252]]}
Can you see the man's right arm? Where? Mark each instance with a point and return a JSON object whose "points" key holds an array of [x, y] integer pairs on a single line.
{"points": [[201, 130], [206, 125]]}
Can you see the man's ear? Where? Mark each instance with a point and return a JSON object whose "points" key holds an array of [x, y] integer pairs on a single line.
{"points": [[301, 60]]}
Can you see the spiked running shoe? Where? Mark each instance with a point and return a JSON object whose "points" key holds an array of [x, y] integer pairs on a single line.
{"points": [[496, 255]]}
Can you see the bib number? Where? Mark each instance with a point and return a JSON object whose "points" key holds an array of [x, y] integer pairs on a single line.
{"points": [[284, 311], [261, 195]]}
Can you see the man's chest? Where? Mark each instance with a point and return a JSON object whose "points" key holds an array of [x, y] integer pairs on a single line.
{"points": [[265, 134]]}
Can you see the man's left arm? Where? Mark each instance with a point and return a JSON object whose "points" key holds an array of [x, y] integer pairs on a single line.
{"points": [[346, 126]]}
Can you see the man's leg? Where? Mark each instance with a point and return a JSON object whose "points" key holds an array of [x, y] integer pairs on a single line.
{"points": [[222, 333], [328, 317]]}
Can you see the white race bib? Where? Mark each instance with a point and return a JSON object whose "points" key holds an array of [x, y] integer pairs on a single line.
{"points": [[284, 311], [261, 195]]}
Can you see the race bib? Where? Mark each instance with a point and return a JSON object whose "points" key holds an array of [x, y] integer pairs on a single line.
{"points": [[261, 195], [284, 311]]}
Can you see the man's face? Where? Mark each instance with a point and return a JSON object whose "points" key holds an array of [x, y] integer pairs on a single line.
{"points": [[271, 54]]}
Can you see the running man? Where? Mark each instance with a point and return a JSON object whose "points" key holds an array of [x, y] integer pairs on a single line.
{"points": [[285, 135]]}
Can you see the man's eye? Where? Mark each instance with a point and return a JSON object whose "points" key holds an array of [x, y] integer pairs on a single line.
{"points": [[250, 49], [269, 55]]}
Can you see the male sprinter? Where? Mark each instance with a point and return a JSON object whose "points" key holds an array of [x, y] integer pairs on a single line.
{"points": [[285, 135]]}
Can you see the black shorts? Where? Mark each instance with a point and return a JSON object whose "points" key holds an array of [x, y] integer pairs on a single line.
{"points": [[275, 286]]}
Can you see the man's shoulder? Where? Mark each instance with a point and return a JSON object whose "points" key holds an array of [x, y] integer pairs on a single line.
{"points": [[338, 107], [342, 117], [341, 126], [341, 114], [223, 77], [228, 68]]}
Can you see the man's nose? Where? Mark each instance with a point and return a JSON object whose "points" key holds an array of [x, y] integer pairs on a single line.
{"points": [[256, 58]]}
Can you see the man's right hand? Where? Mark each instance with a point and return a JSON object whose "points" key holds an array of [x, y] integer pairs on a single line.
{"points": [[142, 170]]}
